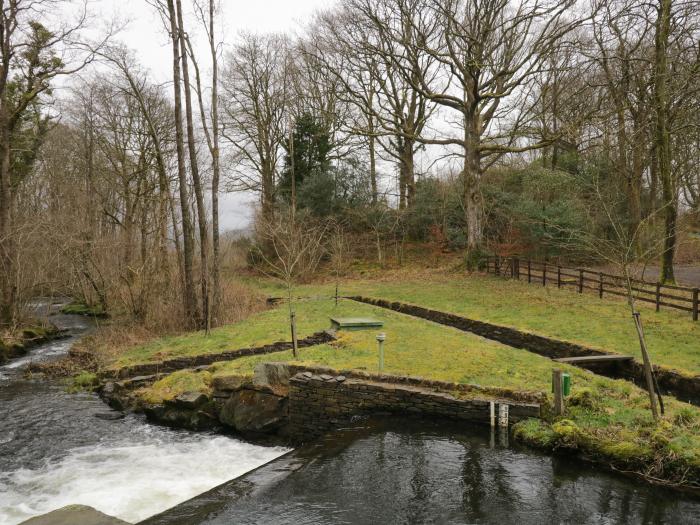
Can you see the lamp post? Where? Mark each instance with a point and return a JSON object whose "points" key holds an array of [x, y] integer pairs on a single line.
{"points": [[381, 337]]}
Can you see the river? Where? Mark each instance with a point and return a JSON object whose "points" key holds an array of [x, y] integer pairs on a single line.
{"points": [[403, 471], [58, 449]]}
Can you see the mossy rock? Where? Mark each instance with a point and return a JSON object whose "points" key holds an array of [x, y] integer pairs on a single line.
{"points": [[625, 451], [83, 309], [534, 432]]}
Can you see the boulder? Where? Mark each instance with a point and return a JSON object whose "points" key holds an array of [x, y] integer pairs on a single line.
{"points": [[190, 400], [227, 383], [254, 411], [272, 375], [178, 417], [74, 515]]}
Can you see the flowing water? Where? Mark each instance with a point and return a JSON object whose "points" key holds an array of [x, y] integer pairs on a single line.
{"points": [[416, 472], [58, 449]]}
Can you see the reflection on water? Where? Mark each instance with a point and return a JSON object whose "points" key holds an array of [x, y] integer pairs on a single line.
{"points": [[420, 472]]}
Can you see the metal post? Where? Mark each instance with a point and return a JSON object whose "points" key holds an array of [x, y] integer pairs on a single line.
{"points": [[696, 292], [529, 271], [600, 286], [580, 281], [295, 346], [381, 337], [558, 276]]}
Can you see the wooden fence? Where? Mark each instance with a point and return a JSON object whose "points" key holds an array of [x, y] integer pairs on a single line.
{"points": [[537, 272]]}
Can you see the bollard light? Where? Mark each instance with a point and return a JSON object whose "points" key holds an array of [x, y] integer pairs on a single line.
{"points": [[381, 337]]}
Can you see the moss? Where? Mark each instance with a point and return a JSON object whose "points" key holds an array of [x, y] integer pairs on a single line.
{"points": [[78, 308], [84, 381], [173, 385], [535, 432], [584, 397]]}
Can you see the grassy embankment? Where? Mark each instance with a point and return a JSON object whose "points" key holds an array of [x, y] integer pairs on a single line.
{"points": [[606, 419], [672, 337]]}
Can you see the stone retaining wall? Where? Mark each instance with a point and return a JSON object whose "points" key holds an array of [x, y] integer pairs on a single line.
{"points": [[685, 388], [180, 363], [318, 403]]}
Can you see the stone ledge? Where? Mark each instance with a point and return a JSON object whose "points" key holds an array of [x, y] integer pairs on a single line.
{"points": [[180, 363]]}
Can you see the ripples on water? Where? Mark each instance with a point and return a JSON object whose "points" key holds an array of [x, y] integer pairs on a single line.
{"points": [[54, 451], [403, 472]]}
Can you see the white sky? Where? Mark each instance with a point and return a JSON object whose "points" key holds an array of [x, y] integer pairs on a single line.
{"points": [[144, 33]]}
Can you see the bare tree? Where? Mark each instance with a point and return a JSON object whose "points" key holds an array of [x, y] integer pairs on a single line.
{"points": [[256, 90], [486, 53], [290, 248], [32, 56]]}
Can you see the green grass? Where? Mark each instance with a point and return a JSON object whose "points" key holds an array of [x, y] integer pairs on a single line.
{"points": [[606, 419], [672, 337]]}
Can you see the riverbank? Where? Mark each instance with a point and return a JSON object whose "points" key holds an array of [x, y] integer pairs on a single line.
{"points": [[18, 342], [607, 420]]}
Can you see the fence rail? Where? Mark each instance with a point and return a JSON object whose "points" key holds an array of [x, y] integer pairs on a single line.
{"points": [[538, 272]]}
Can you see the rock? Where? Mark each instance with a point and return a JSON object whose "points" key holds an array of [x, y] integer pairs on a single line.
{"points": [[228, 383], [326, 377], [180, 417], [340, 379], [273, 375], [190, 400], [74, 515], [110, 416], [253, 411]]}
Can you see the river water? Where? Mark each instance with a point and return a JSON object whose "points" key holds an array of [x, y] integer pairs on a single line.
{"points": [[57, 449], [416, 472]]}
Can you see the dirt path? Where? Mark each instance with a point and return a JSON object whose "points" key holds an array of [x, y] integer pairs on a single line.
{"points": [[686, 274]]}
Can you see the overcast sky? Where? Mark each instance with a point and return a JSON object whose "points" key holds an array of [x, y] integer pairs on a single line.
{"points": [[144, 33]]}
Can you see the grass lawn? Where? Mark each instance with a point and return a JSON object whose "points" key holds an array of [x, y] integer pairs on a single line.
{"points": [[672, 337], [606, 418]]}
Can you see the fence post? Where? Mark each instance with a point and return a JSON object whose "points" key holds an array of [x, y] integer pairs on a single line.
{"points": [[580, 280], [496, 265], [658, 296], [696, 291], [529, 271], [512, 268], [558, 392], [544, 274], [517, 268], [600, 286], [558, 276]]}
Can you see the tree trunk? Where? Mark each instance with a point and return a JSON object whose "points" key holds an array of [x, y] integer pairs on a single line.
{"points": [[473, 208], [196, 179], [216, 174], [373, 164], [189, 296], [408, 172], [7, 289], [663, 140]]}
